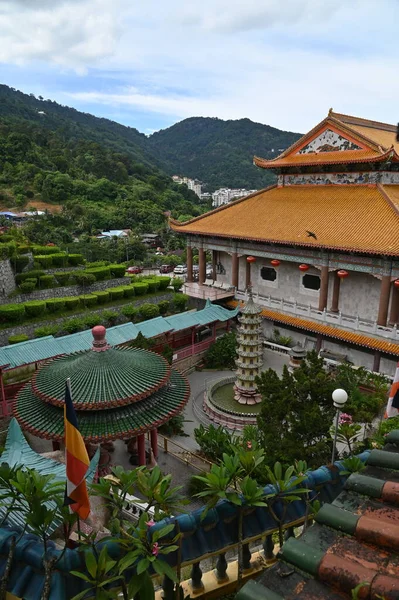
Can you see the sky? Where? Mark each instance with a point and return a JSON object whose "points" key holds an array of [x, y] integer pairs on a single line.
{"points": [[151, 63]]}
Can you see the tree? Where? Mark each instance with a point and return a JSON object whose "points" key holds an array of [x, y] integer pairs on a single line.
{"points": [[222, 353]]}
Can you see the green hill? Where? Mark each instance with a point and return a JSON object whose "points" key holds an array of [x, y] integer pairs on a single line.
{"points": [[218, 152]]}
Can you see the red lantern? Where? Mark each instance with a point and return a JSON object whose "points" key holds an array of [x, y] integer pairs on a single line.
{"points": [[342, 273], [251, 259], [303, 268], [396, 283], [275, 262]]}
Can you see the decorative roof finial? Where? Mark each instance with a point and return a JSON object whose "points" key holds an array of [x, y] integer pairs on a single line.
{"points": [[330, 111], [99, 343]]}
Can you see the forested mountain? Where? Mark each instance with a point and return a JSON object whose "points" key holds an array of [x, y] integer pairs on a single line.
{"points": [[220, 153]]}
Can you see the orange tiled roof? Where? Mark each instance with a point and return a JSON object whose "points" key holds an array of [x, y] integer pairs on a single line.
{"points": [[350, 337], [322, 158], [382, 134], [344, 217]]}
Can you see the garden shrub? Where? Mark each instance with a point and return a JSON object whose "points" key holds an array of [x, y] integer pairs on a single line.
{"points": [[46, 281], [163, 306], [63, 278], [41, 250], [55, 304], [92, 320], [149, 311], [5, 238], [7, 250], [180, 301], [44, 261], [102, 297], [71, 302], [140, 288], [28, 275], [222, 353], [73, 325], [16, 339], [20, 263], [130, 311], [109, 317], [177, 283], [117, 270], [153, 285], [75, 259], [128, 291], [194, 485], [115, 293], [12, 313], [60, 259], [88, 300], [213, 441], [23, 249], [163, 282], [100, 273], [97, 263], [28, 286], [46, 330], [35, 308], [84, 279]]}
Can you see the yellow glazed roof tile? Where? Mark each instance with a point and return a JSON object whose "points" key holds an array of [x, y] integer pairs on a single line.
{"points": [[346, 217]]}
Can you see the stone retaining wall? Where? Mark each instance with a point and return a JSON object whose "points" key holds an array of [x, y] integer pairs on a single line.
{"points": [[62, 292], [7, 281], [29, 329]]}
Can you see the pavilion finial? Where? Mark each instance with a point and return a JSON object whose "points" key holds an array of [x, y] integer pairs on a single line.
{"points": [[99, 343], [330, 111]]}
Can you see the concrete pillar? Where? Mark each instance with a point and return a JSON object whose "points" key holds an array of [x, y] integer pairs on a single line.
{"points": [[323, 294], [319, 341], [394, 313], [247, 275], [189, 263], [234, 269], [214, 262], [335, 296], [141, 449], [202, 265], [376, 362], [384, 300], [154, 442]]}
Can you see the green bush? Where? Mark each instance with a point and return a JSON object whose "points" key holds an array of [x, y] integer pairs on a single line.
{"points": [[222, 354], [35, 308], [84, 279], [71, 302], [163, 306], [177, 283], [73, 325], [60, 259], [213, 441], [28, 275], [102, 297], [180, 301], [140, 288], [88, 300], [28, 286], [16, 339], [20, 263], [45, 250], [153, 285], [109, 317], [128, 291], [130, 311], [149, 311], [97, 263], [46, 330], [115, 293], [63, 277], [100, 273], [117, 270], [5, 238], [46, 281], [23, 249], [55, 304], [12, 313], [75, 259], [92, 320], [7, 250], [163, 282], [44, 261]]}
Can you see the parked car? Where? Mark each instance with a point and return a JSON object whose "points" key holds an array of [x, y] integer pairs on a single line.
{"points": [[180, 270], [134, 270], [166, 268]]}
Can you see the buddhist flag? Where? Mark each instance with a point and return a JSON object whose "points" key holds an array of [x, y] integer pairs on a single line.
{"points": [[76, 460], [392, 409]]}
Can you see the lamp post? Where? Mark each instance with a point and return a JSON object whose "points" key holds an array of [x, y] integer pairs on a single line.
{"points": [[339, 397]]}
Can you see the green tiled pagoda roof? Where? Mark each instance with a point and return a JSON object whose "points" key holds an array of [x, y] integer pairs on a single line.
{"points": [[47, 421], [99, 380]]}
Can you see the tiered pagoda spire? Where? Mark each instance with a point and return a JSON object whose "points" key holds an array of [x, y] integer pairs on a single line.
{"points": [[249, 352]]}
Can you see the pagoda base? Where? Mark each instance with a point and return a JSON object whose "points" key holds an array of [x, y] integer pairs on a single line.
{"points": [[243, 396]]}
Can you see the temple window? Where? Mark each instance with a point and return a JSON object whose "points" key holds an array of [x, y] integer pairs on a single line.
{"points": [[268, 273], [311, 282]]}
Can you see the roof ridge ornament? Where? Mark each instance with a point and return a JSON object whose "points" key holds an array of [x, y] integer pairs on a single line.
{"points": [[100, 344]]}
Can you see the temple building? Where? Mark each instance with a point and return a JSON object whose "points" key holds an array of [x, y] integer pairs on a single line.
{"points": [[326, 242]]}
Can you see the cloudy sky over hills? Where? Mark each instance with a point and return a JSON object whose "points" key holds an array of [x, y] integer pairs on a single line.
{"points": [[150, 63]]}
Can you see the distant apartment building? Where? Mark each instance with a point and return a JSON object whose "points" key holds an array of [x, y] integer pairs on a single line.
{"points": [[192, 184], [226, 195]]}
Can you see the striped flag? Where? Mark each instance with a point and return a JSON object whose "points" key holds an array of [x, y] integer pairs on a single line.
{"points": [[76, 460], [392, 409]]}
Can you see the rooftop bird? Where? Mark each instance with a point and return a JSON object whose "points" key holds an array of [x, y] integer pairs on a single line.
{"points": [[311, 234]]}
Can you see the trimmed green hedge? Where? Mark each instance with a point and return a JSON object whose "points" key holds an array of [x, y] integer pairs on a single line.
{"points": [[23, 249], [60, 259], [115, 293], [140, 288], [180, 301], [20, 263], [88, 300], [153, 285], [149, 311], [84, 279], [46, 281], [128, 291], [35, 308], [117, 270], [163, 282], [44, 261], [16, 339], [75, 259], [45, 250], [12, 313], [28, 275], [63, 277], [5, 238], [100, 273], [102, 297], [71, 302], [28, 286], [55, 304]]}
